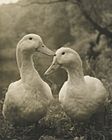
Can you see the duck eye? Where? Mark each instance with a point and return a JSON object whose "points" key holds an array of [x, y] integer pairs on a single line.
{"points": [[30, 38], [63, 53], [43, 46]]}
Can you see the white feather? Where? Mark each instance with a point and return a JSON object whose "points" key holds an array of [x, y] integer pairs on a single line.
{"points": [[80, 96], [27, 99]]}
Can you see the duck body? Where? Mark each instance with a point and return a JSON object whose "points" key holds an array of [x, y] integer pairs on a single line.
{"points": [[24, 103], [27, 99], [81, 101], [80, 96]]}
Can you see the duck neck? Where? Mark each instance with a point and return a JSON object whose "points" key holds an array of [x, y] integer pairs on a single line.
{"points": [[75, 75], [26, 67]]}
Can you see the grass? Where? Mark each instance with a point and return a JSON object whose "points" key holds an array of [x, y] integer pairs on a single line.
{"points": [[56, 125]]}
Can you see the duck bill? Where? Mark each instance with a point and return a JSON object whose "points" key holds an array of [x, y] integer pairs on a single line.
{"points": [[46, 51], [52, 68]]}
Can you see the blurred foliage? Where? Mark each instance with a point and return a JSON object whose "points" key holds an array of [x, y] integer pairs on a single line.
{"points": [[59, 24]]}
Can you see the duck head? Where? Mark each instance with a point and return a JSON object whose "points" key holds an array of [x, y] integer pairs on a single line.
{"points": [[65, 58], [32, 43]]}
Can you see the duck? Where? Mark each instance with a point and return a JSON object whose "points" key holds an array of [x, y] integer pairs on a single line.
{"points": [[27, 100], [80, 96]]}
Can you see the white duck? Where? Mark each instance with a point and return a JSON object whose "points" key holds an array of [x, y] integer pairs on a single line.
{"points": [[80, 96], [28, 98]]}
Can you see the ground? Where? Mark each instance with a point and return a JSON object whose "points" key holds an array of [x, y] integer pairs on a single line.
{"points": [[56, 125]]}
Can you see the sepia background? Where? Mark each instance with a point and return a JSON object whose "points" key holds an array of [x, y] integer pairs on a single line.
{"points": [[84, 25]]}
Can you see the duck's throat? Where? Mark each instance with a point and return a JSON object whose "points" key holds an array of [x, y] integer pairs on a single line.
{"points": [[26, 67], [75, 75]]}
